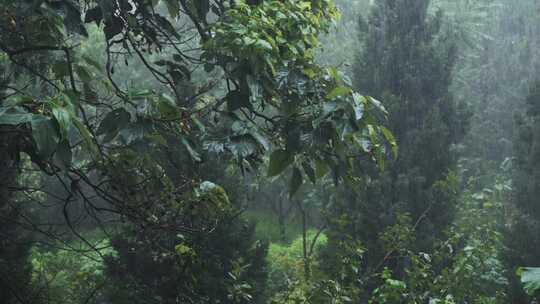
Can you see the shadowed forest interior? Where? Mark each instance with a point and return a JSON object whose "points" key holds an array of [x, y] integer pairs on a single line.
{"points": [[269, 151]]}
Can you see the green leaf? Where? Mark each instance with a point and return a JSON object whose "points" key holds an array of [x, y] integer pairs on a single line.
{"points": [[236, 100], [377, 104], [310, 172], [279, 161], [329, 108], [63, 118], [140, 94], [60, 69], [321, 168], [45, 135], [162, 62], [134, 132], [94, 15], [344, 128], [391, 140], [358, 106], [198, 123], [296, 182], [530, 277], [87, 137], [242, 146], [173, 6], [167, 108], [208, 67], [14, 116], [293, 137], [183, 250], [63, 155], [333, 73], [337, 92], [203, 7], [14, 101], [83, 73], [377, 150], [192, 153], [113, 122], [90, 61], [263, 44], [167, 26], [263, 141]]}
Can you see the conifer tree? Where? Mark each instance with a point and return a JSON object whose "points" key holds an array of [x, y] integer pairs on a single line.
{"points": [[523, 234], [407, 61]]}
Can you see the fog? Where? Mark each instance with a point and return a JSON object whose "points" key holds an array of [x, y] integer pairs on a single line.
{"points": [[269, 151]]}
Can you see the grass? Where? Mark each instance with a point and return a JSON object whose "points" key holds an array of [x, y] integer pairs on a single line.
{"points": [[268, 226]]}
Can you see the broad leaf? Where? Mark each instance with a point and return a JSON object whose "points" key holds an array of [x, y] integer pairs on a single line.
{"points": [[83, 73], [391, 140], [321, 168], [203, 7], [94, 15], [14, 116], [63, 118], [279, 161], [113, 122], [63, 155], [339, 91], [45, 135], [263, 141], [60, 69], [358, 106], [86, 136], [377, 104], [237, 100], [530, 277], [310, 172], [173, 6], [192, 153]]}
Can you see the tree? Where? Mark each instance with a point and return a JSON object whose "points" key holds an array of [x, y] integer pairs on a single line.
{"points": [[234, 81], [214, 266], [464, 267], [414, 68], [498, 62], [406, 60], [15, 268], [521, 238], [278, 77]]}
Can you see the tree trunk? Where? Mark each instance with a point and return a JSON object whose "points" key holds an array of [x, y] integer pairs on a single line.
{"points": [[14, 248], [8, 168], [281, 219], [306, 258]]}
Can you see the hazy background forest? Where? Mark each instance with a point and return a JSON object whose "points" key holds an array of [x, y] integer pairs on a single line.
{"points": [[269, 151]]}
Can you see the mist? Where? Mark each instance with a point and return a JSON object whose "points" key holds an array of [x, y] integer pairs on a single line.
{"points": [[269, 151]]}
